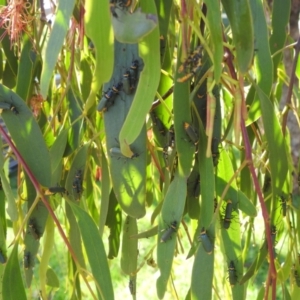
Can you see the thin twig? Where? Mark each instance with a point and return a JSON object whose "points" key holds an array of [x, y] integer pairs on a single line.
{"points": [[164, 97]]}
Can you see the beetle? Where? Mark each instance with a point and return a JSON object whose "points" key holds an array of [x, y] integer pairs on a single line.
{"points": [[109, 97], [134, 69], [206, 242], [165, 154], [273, 234], [267, 183], [169, 231], [215, 150], [27, 260], [158, 123], [194, 62], [131, 286], [121, 4], [283, 203], [33, 229], [124, 3], [228, 213], [2, 257], [103, 104], [127, 83], [215, 204], [116, 88], [196, 189], [112, 7], [232, 276], [77, 183], [273, 238], [9, 106], [58, 189], [191, 132], [171, 137], [296, 276]]}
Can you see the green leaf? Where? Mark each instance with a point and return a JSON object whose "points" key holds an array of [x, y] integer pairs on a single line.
{"points": [[172, 210], [114, 223], [78, 165], [55, 42], [146, 234], [1, 64], [263, 62], [75, 236], [105, 192], [132, 28], [202, 275], [207, 185], [238, 197], [46, 274], [52, 279], [95, 252], [11, 56], [148, 80], [130, 251], [76, 131], [128, 173], [99, 30], [182, 114], [11, 203], [27, 136], [280, 18], [215, 28], [276, 143], [240, 19], [27, 62], [12, 284], [57, 149], [231, 239]]}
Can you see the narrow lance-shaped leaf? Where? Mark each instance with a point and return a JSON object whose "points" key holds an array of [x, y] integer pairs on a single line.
{"points": [[171, 212], [55, 42], [12, 284], [148, 80], [95, 252], [27, 63], [280, 18], [128, 170], [276, 143], [215, 28], [240, 19], [11, 206], [99, 30], [26, 134], [263, 60]]}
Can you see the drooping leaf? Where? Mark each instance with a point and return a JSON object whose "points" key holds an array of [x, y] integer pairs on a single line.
{"points": [[95, 252], [12, 284], [26, 135], [55, 42]]}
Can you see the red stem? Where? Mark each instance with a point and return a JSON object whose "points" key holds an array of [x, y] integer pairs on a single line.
{"points": [[38, 190], [248, 152]]}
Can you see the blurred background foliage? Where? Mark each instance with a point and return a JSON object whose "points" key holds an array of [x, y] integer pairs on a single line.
{"points": [[157, 142]]}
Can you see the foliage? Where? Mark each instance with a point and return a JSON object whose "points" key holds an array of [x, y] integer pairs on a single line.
{"points": [[119, 111]]}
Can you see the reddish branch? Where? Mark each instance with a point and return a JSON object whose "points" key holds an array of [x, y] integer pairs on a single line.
{"points": [[272, 271], [42, 196]]}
